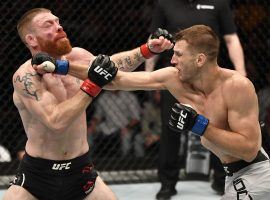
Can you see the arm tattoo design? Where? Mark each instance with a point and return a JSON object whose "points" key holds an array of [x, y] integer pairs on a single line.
{"points": [[120, 65], [128, 61], [138, 57], [28, 84]]}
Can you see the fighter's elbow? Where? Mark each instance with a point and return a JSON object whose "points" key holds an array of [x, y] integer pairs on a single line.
{"points": [[251, 152], [56, 126]]}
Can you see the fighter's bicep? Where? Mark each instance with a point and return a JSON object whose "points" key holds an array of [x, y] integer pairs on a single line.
{"points": [[27, 85], [36, 100], [243, 112]]}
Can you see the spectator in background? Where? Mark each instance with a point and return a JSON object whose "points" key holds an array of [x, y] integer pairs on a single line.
{"points": [[117, 121], [253, 21], [4, 154], [151, 119], [179, 14], [264, 115]]}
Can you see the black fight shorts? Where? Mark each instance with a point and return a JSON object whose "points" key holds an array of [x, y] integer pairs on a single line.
{"points": [[57, 180]]}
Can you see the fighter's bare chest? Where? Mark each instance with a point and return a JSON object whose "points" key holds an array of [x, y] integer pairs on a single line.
{"points": [[212, 106], [62, 87], [216, 111]]}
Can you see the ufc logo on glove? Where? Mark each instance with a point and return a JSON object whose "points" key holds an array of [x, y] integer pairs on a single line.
{"points": [[180, 123], [102, 72], [184, 117]]}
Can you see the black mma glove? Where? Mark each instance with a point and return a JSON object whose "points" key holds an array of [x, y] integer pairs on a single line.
{"points": [[146, 50], [186, 118], [50, 64], [101, 72], [162, 32]]}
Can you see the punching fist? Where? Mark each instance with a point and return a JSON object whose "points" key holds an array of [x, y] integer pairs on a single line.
{"points": [[162, 32], [159, 41], [101, 72], [49, 64], [184, 117]]}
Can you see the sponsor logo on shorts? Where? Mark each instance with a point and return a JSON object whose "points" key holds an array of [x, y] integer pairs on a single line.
{"points": [[241, 190], [19, 179], [88, 187], [62, 166]]}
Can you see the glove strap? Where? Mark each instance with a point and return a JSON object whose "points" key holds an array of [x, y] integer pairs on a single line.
{"points": [[61, 67], [200, 125], [90, 88], [146, 52]]}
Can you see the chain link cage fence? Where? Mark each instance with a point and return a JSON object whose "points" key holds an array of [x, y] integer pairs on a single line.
{"points": [[107, 27]]}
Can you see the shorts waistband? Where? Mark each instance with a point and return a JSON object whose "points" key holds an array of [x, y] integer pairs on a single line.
{"points": [[234, 167], [57, 165]]}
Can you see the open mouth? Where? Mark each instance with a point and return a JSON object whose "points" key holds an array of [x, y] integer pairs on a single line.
{"points": [[61, 36]]}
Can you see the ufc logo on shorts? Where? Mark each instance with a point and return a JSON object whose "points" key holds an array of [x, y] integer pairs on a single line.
{"points": [[241, 190], [61, 166], [102, 72], [180, 123]]}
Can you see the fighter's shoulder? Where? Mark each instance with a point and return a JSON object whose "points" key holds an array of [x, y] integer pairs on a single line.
{"points": [[24, 68], [24, 74], [237, 81], [238, 86], [79, 53], [172, 71]]}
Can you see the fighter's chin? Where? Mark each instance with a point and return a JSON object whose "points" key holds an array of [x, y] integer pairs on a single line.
{"points": [[181, 78], [63, 46]]}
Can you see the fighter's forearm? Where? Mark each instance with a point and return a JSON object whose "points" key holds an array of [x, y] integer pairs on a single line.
{"points": [[234, 144], [78, 70], [151, 63], [68, 111], [128, 60], [125, 61]]}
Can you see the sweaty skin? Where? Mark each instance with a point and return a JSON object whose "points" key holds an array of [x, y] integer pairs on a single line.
{"points": [[37, 97], [223, 96], [57, 129], [52, 107]]}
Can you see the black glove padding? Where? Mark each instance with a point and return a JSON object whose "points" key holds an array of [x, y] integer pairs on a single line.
{"points": [[41, 57], [182, 117], [102, 71], [186, 118], [162, 32]]}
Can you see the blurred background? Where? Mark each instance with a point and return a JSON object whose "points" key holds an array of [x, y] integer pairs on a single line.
{"points": [[125, 149]]}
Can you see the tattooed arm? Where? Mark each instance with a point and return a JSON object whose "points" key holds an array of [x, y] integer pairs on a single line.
{"points": [[43, 106], [128, 60]]}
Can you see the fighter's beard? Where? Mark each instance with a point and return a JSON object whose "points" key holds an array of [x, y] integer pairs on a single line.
{"points": [[57, 49]]}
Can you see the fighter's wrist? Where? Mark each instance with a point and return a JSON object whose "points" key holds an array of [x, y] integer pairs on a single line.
{"points": [[61, 67], [90, 88], [200, 125], [146, 51]]}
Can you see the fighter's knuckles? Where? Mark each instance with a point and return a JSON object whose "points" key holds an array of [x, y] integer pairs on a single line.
{"points": [[48, 66], [40, 58]]}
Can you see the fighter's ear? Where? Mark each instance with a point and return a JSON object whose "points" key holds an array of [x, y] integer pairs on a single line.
{"points": [[201, 59], [31, 40]]}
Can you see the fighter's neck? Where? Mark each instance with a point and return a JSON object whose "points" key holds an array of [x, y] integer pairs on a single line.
{"points": [[208, 80], [33, 52]]}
